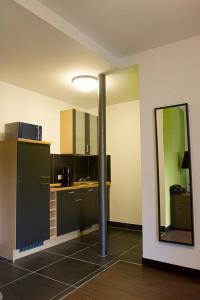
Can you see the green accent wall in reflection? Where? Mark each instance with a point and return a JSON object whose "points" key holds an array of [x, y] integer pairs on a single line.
{"points": [[174, 147]]}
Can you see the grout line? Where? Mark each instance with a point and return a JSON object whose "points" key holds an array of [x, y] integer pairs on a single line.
{"points": [[55, 253], [129, 262], [78, 251], [85, 261], [35, 271], [104, 270], [89, 280], [15, 280], [71, 257], [65, 290], [62, 282], [16, 266], [87, 276]]}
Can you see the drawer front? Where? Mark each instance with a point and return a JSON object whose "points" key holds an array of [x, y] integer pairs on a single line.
{"points": [[68, 194]]}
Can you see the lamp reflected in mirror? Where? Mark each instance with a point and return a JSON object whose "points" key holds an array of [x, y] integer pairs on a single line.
{"points": [[175, 203]]}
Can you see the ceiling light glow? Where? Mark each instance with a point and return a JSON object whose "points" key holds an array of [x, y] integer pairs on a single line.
{"points": [[85, 83]]}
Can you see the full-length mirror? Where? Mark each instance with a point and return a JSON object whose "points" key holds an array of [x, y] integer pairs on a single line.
{"points": [[174, 175]]}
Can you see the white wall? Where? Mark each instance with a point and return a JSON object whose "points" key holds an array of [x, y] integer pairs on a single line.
{"points": [[169, 75], [17, 104], [123, 144]]}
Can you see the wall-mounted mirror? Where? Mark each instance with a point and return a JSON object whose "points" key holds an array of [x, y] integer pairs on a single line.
{"points": [[175, 206]]}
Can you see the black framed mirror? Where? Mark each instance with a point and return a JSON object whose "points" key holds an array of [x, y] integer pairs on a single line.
{"points": [[174, 175]]}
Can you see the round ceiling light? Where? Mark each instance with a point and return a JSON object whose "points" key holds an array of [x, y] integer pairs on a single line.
{"points": [[85, 83]]}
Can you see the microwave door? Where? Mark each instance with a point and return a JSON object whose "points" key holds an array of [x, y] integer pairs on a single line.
{"points": [[28, 131]]}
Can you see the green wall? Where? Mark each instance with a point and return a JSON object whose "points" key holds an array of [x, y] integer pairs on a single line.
{"points": [[174, 147]]}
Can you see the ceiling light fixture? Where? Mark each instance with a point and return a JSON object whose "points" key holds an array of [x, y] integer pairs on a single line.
{"points": [[85, 83]]}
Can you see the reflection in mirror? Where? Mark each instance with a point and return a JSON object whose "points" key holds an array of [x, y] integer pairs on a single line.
{"points": [[174, 175]]}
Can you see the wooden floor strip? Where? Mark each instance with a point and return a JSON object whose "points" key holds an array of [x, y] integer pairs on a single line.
{"points": [[124, 281]]}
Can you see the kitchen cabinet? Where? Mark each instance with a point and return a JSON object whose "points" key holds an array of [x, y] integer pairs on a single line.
{"points": [[77, 209], [78, 132], [24, 194], [93, 134], [89, 207], [32, 205], [68, 211]]}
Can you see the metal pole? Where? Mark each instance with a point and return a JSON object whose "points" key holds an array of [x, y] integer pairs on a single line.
{"points": [[102, 166]]}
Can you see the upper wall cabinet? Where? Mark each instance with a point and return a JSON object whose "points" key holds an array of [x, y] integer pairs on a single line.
{"points": [[78, 132]]}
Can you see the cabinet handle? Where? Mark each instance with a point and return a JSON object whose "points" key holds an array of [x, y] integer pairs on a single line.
{"points": [[78, 200], [90, 190], [71, 192]]}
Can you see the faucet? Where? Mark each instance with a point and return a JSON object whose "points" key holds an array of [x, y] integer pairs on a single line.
{"points": [[84, 179]]}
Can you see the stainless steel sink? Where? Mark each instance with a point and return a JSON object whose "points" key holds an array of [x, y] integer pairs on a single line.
{"points": [[85, 183]]}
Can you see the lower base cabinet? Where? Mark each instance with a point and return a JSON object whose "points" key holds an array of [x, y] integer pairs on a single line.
{"points": [[89, 208], [68, 211], [77, 209]]}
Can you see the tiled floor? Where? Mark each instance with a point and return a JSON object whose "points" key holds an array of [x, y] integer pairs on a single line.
{"points": [[55, 272]]}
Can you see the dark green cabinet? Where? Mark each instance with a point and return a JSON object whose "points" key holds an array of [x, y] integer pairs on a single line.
{"points": [[68, 211], [89, 207], [77, 209], [32, 203]]}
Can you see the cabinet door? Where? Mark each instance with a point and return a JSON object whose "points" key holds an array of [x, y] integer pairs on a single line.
{"points": [[32, 207], [68, 211], [93, 134], [79, 132], [88, 207]]}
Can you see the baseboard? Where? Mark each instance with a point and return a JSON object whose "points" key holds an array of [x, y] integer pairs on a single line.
{"points": [[125, 225], [171, 268]]}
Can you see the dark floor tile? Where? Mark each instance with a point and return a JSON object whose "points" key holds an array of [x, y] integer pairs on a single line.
{"points": [[113, 231], [138, 248], [120, 243], [32, 287], [38, 260], [68, 248], [131, 235], [131, 256], [10, 272], [69, 270], [92, 255], [90, 238]]}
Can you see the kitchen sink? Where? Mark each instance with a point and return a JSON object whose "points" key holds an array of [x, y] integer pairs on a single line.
{"points": [[85, 183]]}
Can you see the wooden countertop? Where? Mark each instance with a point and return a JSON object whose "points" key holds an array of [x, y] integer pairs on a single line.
{"points": [[25, 141], [56, 187]]}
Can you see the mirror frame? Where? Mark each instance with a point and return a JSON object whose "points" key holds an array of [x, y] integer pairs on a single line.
{"points": [[158, 175]]}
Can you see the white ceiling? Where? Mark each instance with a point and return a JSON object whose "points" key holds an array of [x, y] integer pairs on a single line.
{"points": [[125, 27], [43, 44], [36, 56]]}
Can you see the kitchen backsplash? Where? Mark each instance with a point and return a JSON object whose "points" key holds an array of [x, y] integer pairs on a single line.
{"points": [[82, 166]]}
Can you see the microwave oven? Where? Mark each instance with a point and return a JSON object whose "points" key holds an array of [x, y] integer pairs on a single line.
{"points": [[23, 130]]}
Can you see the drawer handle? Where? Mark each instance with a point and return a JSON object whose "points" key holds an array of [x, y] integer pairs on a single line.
{"points": [[71, 192], [90, 190], [78, 200]]}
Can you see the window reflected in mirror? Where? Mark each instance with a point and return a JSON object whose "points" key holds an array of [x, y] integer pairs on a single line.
{"points": [[175, 206]]}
